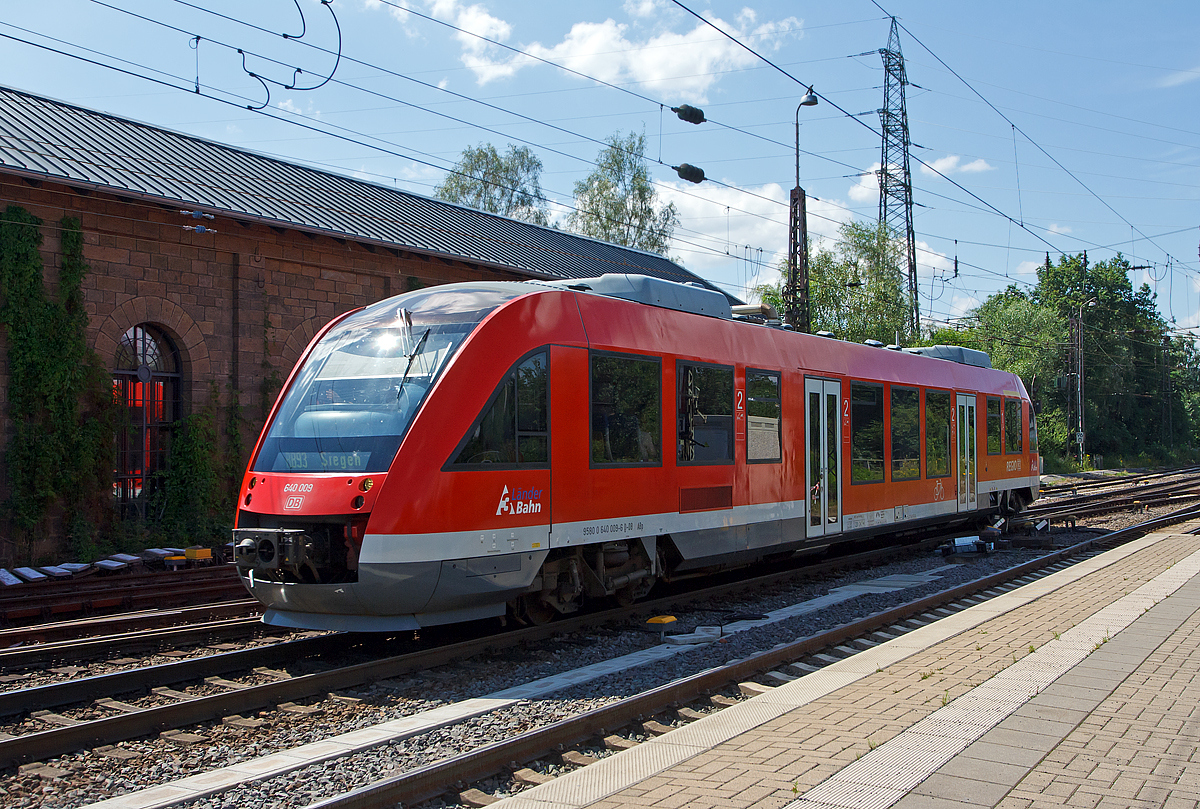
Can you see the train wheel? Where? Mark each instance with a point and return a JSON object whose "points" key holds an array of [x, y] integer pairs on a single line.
{"points": [[534, 609]]}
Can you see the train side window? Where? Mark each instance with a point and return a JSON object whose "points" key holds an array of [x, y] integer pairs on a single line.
{"points": [[626, 409], [1033, 436], [705, 403], [763, 422], [866, 432], [514, 428], [937, 434], [906, 433], [1012, 427], [993, 425]]}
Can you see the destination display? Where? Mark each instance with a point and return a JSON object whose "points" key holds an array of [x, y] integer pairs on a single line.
{"points": [[331, 461]]}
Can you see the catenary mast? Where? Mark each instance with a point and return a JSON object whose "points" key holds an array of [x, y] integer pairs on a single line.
{"points": [[895, 181]]}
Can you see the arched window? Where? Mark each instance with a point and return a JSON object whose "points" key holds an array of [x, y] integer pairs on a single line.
{"points": [[146, 391]]}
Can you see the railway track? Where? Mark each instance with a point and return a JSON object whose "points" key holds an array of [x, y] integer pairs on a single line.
{"points": [[273, 688], [445, 779], [1055, 489], [140, 641], [213, 695], [1142, 495], [211, 690], [50, 601], [70, 632]]}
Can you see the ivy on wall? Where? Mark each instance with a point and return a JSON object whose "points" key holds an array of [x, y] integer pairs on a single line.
{"points": [[60, 449], [59, 452], [186, 504]]}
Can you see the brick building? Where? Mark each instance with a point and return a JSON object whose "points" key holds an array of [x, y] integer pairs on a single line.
{"points": [[175, 309]]}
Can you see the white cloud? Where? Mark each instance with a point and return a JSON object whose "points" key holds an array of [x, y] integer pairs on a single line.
{"points": [[640, 8], [1028, 268], [866, 188], [1057, 228], [960, 304], [950, 164], [397, 9], [930, 259], [1180, 77], [682, 65], [488, 61], [737, 240], [288, 105]]}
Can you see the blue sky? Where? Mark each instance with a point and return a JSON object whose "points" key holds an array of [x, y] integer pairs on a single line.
{"points": [[1068, 125]]}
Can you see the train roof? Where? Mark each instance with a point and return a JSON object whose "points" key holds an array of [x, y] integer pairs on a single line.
{"points": [[695, 299]]}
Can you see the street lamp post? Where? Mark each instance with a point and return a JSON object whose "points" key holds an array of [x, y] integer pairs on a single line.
{"points": [[795, 293]]}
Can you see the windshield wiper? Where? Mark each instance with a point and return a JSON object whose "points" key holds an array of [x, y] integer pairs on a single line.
{"points": [[411, 357]]}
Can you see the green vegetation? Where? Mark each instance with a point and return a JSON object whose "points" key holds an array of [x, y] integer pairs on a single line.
{"points": [[508, 184], [617, 202], [59, 457], [1141, 380], [857, 289]]}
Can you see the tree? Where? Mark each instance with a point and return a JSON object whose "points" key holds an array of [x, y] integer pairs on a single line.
{"points": [[855, 290], [1019, 335], [1141, 387], [507, 184], [617, 202]]}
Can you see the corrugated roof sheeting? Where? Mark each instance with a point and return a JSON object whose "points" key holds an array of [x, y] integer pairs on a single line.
{"points": [[72, 144]]}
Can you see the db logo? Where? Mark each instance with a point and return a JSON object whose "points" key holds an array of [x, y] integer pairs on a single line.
{"points": [[294, 502]]}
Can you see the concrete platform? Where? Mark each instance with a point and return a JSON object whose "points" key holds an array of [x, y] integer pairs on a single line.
{"points": [[1079, 689]]}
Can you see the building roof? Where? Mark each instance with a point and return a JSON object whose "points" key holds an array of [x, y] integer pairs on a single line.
{"points": [[49, 139]]}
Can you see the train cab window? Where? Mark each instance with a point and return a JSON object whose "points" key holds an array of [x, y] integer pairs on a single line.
{"points": [[1033, 436], [993, 425], [937, 434], [1013, 425], [906, 433], [514, 426], [626, 410], [866, 432], [705, 419], [763, 431]]}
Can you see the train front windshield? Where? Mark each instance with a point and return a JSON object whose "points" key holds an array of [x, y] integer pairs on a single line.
{"points": [[355, 396]]}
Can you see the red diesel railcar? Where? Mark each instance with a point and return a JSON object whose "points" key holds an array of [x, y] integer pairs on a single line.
{"points": [[457, 451]]}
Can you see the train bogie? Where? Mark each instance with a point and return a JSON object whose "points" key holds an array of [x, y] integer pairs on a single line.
{"points": [[465, 450]]}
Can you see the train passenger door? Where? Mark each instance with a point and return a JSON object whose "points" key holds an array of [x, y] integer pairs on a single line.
{"points": [[823, 456], [966, 453]]}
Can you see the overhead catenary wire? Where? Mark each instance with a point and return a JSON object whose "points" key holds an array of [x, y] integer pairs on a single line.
{"points": [[730, 186], [273, 115], [394, 99], [1036, 145]]}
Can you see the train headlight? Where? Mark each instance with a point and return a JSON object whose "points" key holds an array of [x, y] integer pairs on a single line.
{"points": [[366, 484]]}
